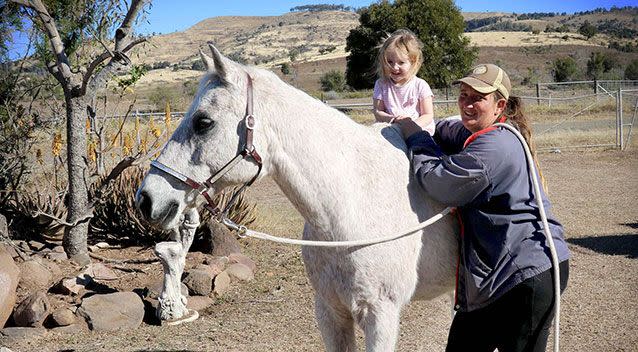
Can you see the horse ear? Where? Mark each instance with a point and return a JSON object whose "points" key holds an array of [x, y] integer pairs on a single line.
{"points": [[219, 64], [208, 61]]}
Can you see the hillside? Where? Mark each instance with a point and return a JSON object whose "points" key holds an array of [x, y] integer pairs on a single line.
{"points": [[316, 40], [256, 40]]}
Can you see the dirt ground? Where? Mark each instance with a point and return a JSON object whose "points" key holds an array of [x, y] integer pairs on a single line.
{"points": [[594, 193]]}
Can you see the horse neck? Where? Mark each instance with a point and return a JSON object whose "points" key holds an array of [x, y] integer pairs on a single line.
{"points": [[322, 160]]}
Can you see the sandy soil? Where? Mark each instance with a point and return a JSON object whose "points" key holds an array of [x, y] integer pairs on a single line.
{"points": [[594, 194]]}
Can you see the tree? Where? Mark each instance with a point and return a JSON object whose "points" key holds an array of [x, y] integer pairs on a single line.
{"points": [[70, 34], [285, 68], [564, 69], [333, 80], [631, 71], [599, 63], [447, 54], [588, 30]]}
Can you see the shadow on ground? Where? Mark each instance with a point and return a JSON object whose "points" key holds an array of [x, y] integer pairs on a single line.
{"points": [[621, 244]]}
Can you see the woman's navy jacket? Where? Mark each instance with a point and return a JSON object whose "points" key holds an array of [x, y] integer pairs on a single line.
{"points": [[488, 180]]}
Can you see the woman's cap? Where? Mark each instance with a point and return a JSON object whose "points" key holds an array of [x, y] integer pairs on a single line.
{"points": [[488, 78]]}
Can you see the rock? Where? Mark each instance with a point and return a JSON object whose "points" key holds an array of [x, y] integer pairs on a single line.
{"points": [[35, 276], [154, 290], [10, 250], [81, 258], [36, 246], [240, 272], [54, 269], [32, 310], [68, 329], [102, 245], [22, 333], [223, 242], [62, 317], [70, 286], [4, 349], [212, 271], [218, 264], [199, 303], [242, 259], [196, 257], [9, 278], [4, 229], [221, 284], [199, 282], [99, 271], [113, 311], [56, 256], [23, 244]]}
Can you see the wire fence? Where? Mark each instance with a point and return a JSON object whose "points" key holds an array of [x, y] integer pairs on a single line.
{"points": [[564, 115]]}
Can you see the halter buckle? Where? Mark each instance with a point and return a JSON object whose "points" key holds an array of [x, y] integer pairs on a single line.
{"points": [[249, 121]]}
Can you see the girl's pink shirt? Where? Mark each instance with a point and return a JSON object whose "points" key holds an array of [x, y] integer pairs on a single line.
{"points": [[403, 100]]}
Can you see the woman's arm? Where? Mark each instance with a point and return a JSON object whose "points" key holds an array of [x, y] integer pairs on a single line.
{"points": [[426, 109], [378, 108], [453, 180]]}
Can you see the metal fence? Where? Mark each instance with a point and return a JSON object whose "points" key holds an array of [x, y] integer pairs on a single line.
{"points": [[565, 115]]}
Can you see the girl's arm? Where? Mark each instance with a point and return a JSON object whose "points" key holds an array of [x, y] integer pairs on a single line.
{"points": [[378, 108], [426, 108]]}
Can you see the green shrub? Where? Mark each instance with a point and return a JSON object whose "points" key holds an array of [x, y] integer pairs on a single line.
{"points": [[333, 80], [564, 69], [631, 71], [599, 63]]}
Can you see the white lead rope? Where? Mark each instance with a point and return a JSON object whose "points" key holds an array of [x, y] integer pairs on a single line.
{"points": [[245, 232], [548, 234]]}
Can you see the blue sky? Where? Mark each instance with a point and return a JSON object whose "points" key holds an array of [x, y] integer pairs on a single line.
{"points": [[167, 16]]}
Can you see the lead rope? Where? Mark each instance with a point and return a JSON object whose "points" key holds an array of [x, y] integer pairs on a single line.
{"points": [[245, 232], [546, 231]]}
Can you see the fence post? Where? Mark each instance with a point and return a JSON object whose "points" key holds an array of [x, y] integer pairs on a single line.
{"points": [[596, 88], [538, 93], [447, 97], [620, 131], [617, 118]]}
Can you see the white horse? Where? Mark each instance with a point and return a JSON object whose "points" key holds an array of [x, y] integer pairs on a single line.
{"points": [[348, 181]]}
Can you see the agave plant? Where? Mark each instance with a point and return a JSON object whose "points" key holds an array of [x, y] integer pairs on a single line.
{"points": [[117, 218], [35, 214]]}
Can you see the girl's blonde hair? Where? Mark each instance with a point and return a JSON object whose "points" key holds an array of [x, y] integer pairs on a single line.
{"points": [[406, 42]]}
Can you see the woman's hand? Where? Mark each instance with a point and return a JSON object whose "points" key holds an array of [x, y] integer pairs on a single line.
{"points": [[408, 127]]}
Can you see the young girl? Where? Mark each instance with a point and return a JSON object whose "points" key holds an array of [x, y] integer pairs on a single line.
{"points": [[398, 93]]}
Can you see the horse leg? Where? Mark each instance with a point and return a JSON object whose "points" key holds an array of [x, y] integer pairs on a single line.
{"points": [[380, 324], [336, 326]]}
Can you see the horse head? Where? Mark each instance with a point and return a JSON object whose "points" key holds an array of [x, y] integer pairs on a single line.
{"points": [[215, 133]]}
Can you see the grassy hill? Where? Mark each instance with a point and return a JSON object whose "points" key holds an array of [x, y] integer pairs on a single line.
{"points": [[316, 41]]}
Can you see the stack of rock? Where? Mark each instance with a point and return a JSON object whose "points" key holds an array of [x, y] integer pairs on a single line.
{"points": [[37, 295]]}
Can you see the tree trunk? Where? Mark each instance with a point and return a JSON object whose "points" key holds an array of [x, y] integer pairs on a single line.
{"points": [[75, 237]]}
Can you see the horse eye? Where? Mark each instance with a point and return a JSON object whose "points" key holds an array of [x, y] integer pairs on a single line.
{"points": [[202, 123]]}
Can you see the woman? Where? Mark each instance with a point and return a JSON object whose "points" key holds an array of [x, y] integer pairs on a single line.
{"points": [[504, 296]]}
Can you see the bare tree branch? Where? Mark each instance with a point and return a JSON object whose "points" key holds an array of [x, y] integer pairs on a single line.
{"points": [[103, 57], [123, 34], [64, 76], [123, 44]]}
